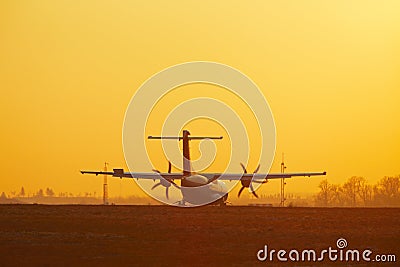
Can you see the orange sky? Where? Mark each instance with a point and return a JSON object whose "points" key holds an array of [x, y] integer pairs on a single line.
{"points": [[329, 70]]}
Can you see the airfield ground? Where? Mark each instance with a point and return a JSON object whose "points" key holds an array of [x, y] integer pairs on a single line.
{"points": [[41, 235]]}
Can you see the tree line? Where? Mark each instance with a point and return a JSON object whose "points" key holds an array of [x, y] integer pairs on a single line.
{"points": [[48, 192], [357, 192]]}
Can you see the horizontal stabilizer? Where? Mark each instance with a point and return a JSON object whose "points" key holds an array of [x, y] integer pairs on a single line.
{"points": [[180, 137]]}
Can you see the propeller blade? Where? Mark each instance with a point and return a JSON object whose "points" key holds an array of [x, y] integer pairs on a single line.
{"points": [[166, 193], [243, 167], [260, 182], [156, 185], [174, 184], [169, 166], [252, 190], [257, 169], [240, 191]]}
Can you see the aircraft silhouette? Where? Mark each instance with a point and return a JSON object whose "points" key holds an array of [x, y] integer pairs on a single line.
{"points": [[197, 188]]}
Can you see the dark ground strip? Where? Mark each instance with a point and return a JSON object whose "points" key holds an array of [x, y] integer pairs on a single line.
{"points": [[41, 235]]}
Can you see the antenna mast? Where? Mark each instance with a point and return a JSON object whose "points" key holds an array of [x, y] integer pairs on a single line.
{"points": [[283, 183], [105, 186]]}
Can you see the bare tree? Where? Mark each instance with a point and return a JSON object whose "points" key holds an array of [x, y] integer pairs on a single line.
{"points": [[323, 196], [387, 191], [22, 192], [40, 193], [352, 188], [389, 186], [49, 192], [337, 195], [365, 192]]}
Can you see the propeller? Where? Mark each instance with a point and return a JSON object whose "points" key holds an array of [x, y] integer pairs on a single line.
{"points": [[246, 182], [166, 182]]}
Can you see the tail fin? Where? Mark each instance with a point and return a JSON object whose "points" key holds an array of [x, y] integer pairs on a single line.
{"points": [[187, 168]]}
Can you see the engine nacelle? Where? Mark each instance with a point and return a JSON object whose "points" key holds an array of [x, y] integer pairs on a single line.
{"points": [[118, 172]]}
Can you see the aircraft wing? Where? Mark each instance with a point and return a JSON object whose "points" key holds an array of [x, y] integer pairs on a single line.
{"points": [[258, 176], [211, 176], [137, 175]]}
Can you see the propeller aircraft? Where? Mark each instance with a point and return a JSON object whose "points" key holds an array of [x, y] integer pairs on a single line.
{"points": [[198, 188]]}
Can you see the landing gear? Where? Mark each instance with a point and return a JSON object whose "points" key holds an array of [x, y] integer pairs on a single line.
{"points": [[222, 202], [181, 203]]}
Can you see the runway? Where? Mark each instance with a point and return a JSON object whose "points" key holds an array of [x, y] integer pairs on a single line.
{"points": [[75, 235]]}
